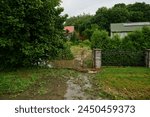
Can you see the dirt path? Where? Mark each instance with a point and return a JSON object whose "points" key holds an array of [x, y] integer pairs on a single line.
{"points": [[80, 88], [72, 87], [77, 87]]}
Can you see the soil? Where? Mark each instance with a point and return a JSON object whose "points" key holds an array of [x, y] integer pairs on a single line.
{"points": [[77, 87], [65, 88], [73, 88]]}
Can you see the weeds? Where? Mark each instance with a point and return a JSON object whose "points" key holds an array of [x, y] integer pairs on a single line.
{"points": [[124, 83]]}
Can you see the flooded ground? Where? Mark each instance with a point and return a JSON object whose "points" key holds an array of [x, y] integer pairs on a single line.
{"points": [[75, 87], [71, 87], [80, 88]]}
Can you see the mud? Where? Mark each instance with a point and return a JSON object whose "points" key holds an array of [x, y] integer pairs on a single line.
{"points": [[47, 88], [79, 87]]}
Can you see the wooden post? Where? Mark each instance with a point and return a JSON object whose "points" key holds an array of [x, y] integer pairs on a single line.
{"points": [[147, 58], [97, 58]]}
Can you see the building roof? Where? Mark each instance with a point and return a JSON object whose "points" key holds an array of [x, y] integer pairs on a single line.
{"points": [[69, 28], [128, 27]]}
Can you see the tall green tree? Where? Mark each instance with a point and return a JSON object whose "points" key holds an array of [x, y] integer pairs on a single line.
{"points": [[139, 12], [30, 30], [101, 18], [118, 15]]}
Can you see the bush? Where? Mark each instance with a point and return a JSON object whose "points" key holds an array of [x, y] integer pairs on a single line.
{"points": [[85, 43], [74, 38], [65, 53], [99, 39], [123, 52]]}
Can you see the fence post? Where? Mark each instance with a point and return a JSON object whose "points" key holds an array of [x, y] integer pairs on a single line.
{"points": [[148, 58], [97, 58]]}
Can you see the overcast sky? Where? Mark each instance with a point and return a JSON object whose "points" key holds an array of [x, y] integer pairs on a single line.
{"points": [[77, 7]]}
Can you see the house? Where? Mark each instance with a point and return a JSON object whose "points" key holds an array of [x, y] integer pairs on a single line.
{"points": [[69, 30], [122, 29]]}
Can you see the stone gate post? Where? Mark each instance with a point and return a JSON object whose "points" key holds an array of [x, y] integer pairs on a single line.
{"points": [[97, 58], [147, 58]]}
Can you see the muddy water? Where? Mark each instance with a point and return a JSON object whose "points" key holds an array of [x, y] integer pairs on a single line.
{"points": [[77, 86]]}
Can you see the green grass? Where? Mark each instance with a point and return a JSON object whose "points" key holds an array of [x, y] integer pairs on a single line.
{"points": [[21, 80], [124, 82]]}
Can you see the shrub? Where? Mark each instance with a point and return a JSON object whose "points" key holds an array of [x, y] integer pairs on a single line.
{"points": [[128, 51], [74, 38], [99, 39], [65, 53], [85, 43]]}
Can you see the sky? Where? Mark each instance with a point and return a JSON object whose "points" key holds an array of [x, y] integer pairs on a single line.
{"points": [[77, 7]]}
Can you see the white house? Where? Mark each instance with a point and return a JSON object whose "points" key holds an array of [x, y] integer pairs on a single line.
{"points": [[122, 29]]}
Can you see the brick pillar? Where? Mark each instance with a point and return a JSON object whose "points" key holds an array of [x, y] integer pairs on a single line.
{"points": [[148, 58], [97, 58]]}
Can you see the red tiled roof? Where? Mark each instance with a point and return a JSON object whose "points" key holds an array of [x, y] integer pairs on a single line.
{"points": [[69, 28]]}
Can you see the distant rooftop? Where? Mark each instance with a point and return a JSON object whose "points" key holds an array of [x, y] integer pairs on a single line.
{"points": [[69, 28], [137, 24], [127, 27]]}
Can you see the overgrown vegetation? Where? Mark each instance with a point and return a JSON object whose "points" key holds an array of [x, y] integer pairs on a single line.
{"points": [[123, 83], [119, 13], [116, 51], [30, 30], [129, 51], [15, 82]]}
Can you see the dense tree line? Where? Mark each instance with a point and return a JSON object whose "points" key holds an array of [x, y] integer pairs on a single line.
{"points": [[137, 12], [30, 30]]}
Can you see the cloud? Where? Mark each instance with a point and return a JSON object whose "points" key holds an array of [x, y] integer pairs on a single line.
{"points": [[77, 7]]}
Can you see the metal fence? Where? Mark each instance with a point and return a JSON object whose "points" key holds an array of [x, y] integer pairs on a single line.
{"points": [[123, 58]]}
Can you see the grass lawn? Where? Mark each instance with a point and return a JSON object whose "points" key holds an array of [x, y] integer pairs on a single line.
{"points": [[33, 83], [124, 82]]}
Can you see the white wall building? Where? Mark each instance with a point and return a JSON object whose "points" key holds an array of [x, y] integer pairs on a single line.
{"points": [[122, 29]]}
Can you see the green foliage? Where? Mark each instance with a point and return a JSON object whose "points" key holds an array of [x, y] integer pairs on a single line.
{"points": [[89, 31], [74, 38], [99, 39], [86, 43], [65, 53], [101, 18], [138, 40], [14, 82], [137, 12], [29, 30], [32, 80], [122, 52], [114, 43], [80, 22], [119, 13]]}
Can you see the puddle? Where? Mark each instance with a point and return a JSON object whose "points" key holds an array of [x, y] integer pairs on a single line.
{"points": [[76, 88]]}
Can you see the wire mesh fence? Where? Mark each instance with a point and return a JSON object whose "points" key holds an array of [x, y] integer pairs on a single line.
{"points": [[123, 58]]}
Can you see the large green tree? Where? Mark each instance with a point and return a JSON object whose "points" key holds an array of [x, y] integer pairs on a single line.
{"points": [[30, 30], [101, 18]]}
